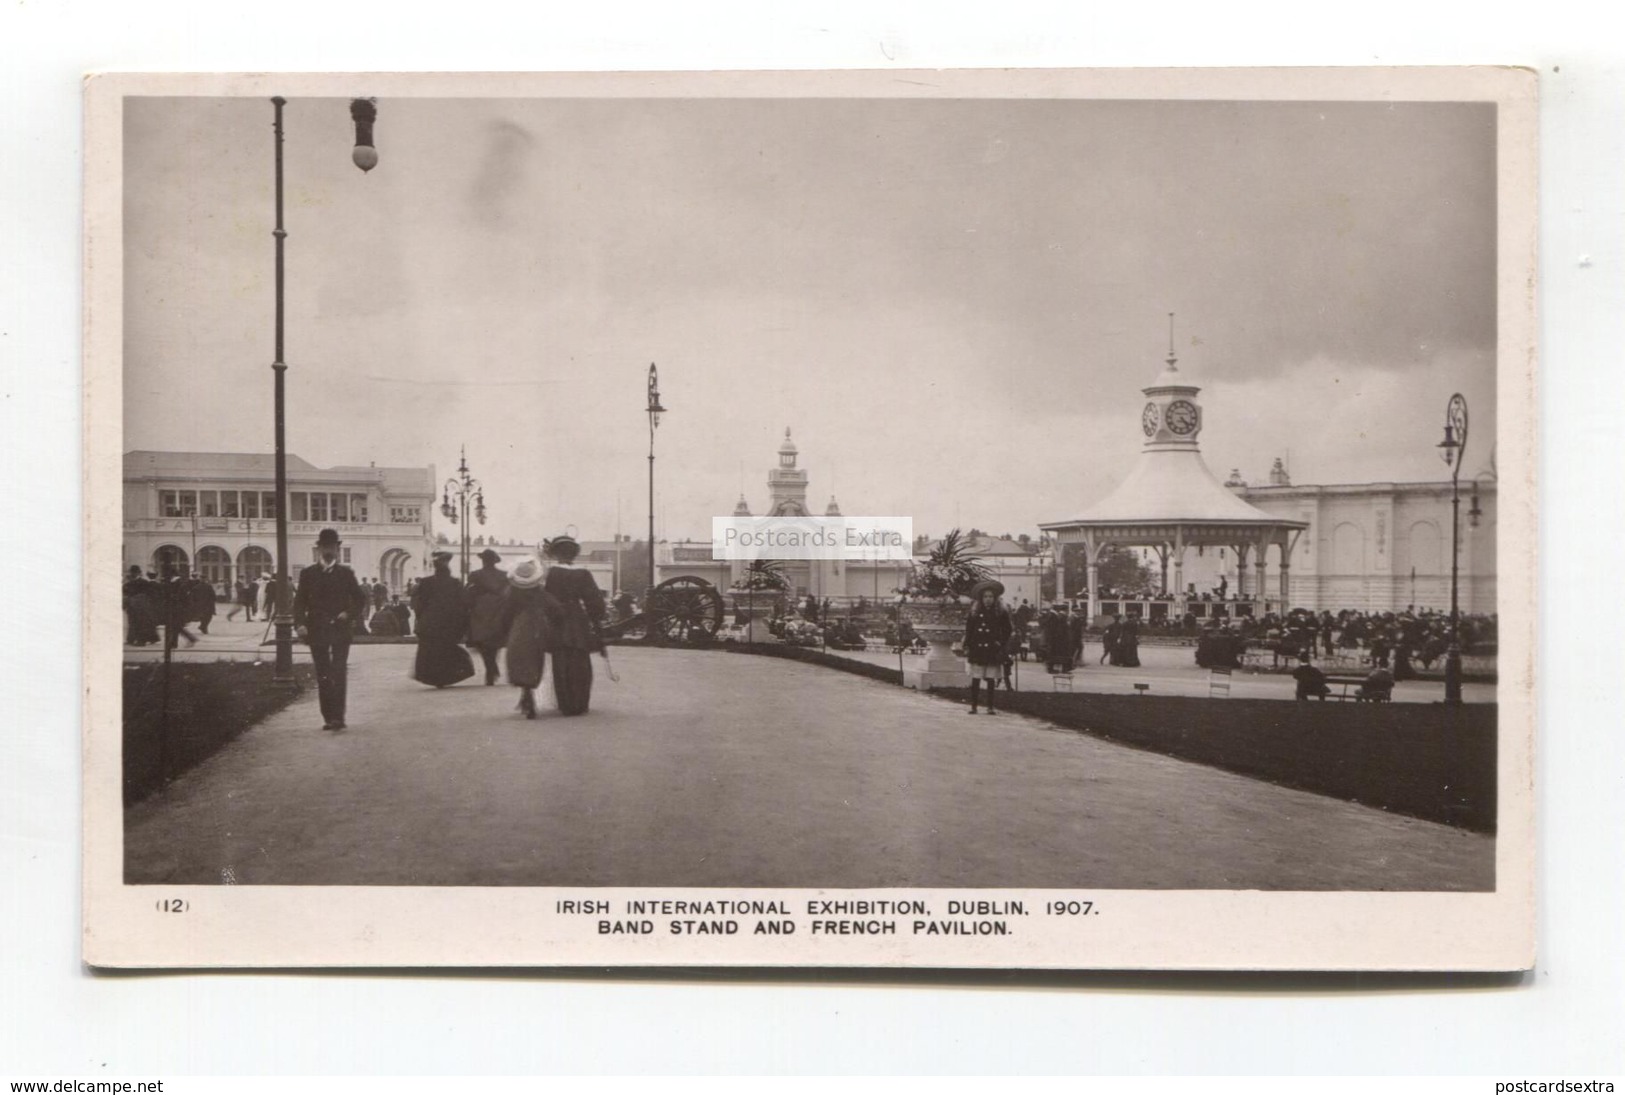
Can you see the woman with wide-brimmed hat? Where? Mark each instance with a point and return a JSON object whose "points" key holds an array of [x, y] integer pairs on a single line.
{"points": [[528, 615], [576, 638], [987, 632]]}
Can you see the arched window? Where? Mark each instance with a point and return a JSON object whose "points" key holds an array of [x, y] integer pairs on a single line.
{"points": [[1426, 543], [1348, 549], [392, 569], [169, 560], [254, 561], [214, 567]]}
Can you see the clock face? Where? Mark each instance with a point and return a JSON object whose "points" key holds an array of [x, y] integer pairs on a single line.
{"points": [[1182, 417], [1148, 419]]}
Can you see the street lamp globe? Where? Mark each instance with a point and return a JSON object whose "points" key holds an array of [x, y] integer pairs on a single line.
{"points": [[1448, 447], [364, 112]]}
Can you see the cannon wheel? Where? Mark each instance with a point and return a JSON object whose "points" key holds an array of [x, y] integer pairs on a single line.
{"points": [[684, 609]]}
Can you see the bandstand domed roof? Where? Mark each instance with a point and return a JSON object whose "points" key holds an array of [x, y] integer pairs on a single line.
{"points": [[1173, 485], [1170, 484]]}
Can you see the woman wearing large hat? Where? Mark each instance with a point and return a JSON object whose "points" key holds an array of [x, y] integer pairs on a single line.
{"points": [[528, 615], [575, 639], [987, 633]]}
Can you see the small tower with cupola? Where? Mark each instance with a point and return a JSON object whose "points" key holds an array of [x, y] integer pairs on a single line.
{"points": [[787, 484], [1172, 416]]}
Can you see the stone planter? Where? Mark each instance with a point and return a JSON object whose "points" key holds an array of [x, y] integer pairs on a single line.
{"points": [[940, 623], [761, 603]]}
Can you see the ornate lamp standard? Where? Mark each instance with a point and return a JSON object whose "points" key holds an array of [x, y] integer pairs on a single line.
{"points": [[365, 156], [1453, 449], [464, 488], [655, 411]]}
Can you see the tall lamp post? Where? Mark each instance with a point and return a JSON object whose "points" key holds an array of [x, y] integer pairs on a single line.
{"points": [[364, 112], [655, 411], [1453, 449], [469, 497]]}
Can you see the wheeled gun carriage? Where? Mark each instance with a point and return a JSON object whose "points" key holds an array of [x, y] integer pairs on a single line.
{"points": [[679, 610]]}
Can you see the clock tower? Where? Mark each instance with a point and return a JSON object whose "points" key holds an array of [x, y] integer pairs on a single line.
{"points": [[1171, 419]]}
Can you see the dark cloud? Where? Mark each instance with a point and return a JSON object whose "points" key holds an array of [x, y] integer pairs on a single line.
{"points": [[874, 273], [503, 177]]}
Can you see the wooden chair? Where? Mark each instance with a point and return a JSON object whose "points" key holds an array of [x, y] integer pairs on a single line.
{"points": [[1063, 681], [1218, 683]]}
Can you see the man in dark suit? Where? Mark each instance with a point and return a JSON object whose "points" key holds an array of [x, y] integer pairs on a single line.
{"points": [[328, 599], [1076, 627]]}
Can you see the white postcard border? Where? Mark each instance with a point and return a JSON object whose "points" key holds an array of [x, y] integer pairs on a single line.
{"points": [[241, 926]]}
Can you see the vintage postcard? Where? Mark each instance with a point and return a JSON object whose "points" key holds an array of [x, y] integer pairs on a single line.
{"points": [[1030, 519]]}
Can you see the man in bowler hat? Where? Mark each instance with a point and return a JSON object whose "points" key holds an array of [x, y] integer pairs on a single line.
{"points": [[328, 599]]}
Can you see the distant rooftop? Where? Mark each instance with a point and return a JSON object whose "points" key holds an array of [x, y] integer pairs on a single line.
{"points": [[990, 545], [146, 463]]}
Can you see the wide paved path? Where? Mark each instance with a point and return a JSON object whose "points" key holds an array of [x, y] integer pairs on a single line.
{"points": [[710, 769]]}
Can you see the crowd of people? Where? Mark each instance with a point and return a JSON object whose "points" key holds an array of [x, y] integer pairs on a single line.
{"points": [[1390, 645], [546, 609], [169, 605], [1397, 641], [164, 608]]}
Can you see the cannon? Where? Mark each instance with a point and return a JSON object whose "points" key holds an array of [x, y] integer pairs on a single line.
{"points": [[679, 610]]}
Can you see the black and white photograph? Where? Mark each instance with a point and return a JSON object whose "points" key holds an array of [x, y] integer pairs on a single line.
{"points": [[1175, 430]]}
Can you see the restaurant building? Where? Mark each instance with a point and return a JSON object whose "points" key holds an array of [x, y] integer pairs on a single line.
{"points": [[215, 513]]}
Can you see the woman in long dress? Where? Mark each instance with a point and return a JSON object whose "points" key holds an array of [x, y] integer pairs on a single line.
{"points": [[139, 602], [487, 590], [576, 638], [441, 660], [1128, 644], [528, 615]]}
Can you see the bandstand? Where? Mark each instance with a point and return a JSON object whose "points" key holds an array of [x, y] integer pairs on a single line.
{"points": [[1171, 502]]}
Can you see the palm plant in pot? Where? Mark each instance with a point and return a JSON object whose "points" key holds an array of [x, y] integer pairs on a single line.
{"points": [[936, 601], [765, 577]]}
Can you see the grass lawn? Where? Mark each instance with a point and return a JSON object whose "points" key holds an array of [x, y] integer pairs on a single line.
{"points": [[206, 705]]}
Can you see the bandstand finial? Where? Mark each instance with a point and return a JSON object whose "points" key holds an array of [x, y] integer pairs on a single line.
{"points": [[1172, 358]]}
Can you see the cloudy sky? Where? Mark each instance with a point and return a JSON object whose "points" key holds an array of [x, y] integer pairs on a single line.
{"points": [[954, 303]]}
